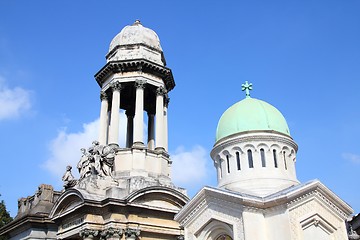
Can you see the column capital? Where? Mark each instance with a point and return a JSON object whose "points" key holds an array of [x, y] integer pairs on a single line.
{"points": [[161, 91], [116, 86], [111, 232], [103, 96], [166, 101], [140, 83], [131, 233], [88, 233]]}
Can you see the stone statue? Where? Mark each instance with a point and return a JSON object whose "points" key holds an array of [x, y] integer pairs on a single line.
{"points": [[68, 178], [98, 160], [85, 164]]}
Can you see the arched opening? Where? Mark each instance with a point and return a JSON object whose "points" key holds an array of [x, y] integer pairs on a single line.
{"points": [[238, 161], [250, 159], [262, 156], [275, 158]]}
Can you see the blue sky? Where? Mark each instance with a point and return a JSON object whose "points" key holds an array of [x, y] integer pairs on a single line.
{"points": [[303, 57]]}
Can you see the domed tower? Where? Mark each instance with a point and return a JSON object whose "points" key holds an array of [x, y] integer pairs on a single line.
{"points": [[254, 152], [136, 80]]}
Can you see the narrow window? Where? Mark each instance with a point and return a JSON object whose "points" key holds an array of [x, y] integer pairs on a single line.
{"points": [[220, 169], [228, 163], [262, 155], [275, 158], [284, 160], [250, 159], [238, 161]]}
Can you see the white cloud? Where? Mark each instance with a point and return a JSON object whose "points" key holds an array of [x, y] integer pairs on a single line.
{"points": [[65, 148], [354, 158], [191, 169], [13, 101]]}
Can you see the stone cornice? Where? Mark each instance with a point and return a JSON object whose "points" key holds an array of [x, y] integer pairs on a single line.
{"points": [[287, 197], [133, 65]]}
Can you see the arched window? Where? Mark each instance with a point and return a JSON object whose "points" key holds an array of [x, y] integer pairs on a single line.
{"points": [[262, 156], [228, 163], [284, 160], [250, 159], [238, 161], [275, 158]]}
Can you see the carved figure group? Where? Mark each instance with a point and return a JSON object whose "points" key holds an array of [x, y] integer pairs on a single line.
{"points": [[98, 159]]}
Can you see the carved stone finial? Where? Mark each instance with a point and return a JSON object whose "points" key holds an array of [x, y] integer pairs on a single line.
{"points": [[88, 233], [140, 84], [160, 91], [137, 22], [131, 233], [116, 86], [246, 87]]}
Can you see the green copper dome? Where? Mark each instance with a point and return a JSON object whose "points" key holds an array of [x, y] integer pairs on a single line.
{"points": [[248, 115]]}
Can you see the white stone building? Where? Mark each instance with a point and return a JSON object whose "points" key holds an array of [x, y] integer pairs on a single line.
{"points": [[258, 195], [126, 192]]}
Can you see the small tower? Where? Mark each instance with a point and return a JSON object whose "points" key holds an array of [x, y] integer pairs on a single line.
{"points": [[136, 80], [254, 151]]}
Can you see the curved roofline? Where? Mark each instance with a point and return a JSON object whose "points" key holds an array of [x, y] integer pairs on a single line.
{"points": [[157, 189]]}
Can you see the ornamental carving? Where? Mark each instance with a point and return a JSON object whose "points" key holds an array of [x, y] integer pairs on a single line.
{"points": [[111, 232], [161, 91], [97, 160], [131, 233], [103, 96], [116, 86], [88, 233], [140, 84]]}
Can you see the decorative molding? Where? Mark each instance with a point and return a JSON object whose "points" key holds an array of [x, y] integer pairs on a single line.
{"points": [[140, 84], [304, 210], [132, 65]]}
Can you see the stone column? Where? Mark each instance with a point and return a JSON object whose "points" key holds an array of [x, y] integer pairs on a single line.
{"points": [[130, 127], [159, 128], [115, 115], [132, 234], [88, 234], [151, 131], [139, 113], [104, 124], [166, 143]]}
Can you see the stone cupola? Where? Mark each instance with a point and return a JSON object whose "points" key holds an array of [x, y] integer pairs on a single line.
{"points": [[136, 81], [254, 152]]}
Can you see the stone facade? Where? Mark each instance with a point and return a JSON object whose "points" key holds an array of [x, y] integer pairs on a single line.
{"points": [[124, 192]]}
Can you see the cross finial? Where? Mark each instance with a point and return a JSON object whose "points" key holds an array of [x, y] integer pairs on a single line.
{"points": [[246, 87]]}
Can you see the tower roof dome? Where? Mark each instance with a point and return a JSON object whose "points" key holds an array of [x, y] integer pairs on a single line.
{"points": [[136, 34], [251, 114]]}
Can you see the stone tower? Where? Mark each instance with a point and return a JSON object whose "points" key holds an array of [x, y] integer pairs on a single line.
{"points": [[125, 189]]}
